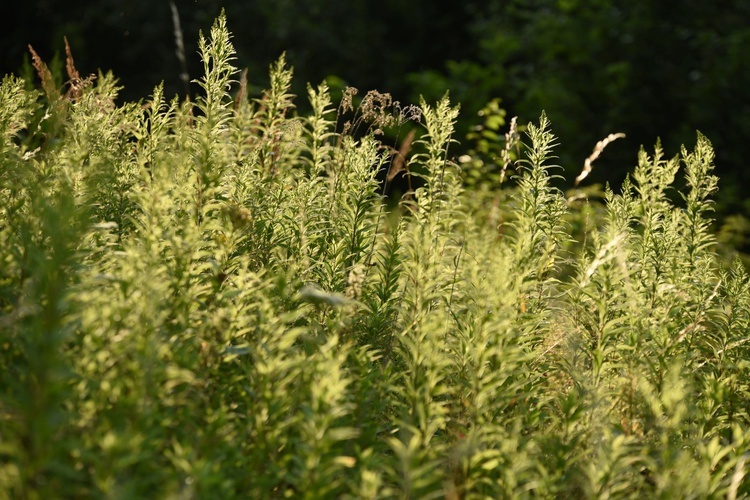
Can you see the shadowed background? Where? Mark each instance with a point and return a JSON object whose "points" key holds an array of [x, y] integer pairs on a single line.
{"points": [[648, 69]]}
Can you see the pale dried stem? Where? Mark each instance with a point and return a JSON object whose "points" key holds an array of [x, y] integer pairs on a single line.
{"points": [[595, 154]]}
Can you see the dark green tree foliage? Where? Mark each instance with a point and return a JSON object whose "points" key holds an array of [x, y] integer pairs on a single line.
{"points": [[647, 69], [370, 44], [211, 299], [643, 68]]}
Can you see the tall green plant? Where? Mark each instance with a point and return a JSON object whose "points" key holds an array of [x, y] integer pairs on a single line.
{"points": [[212, 298]]}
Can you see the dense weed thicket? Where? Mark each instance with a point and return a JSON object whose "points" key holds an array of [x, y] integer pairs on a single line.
{"points": [[212, 300]]}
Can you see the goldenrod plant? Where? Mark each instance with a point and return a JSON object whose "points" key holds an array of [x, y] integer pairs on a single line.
{"points": [[211, 298]]}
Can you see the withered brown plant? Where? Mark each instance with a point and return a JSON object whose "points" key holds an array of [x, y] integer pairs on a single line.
{"points": [[598, 149], [48, 82]]}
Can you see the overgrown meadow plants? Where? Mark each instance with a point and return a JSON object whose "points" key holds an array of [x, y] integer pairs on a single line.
{"points": [[211, 299]]}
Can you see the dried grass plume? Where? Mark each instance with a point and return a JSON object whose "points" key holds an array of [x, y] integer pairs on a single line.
{"points": [[595, 154]]}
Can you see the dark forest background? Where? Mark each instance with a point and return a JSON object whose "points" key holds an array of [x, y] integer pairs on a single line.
{"points": [[648, 69]]}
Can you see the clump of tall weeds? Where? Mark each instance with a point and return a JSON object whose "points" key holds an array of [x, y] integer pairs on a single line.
{"points": [[211, 298]]}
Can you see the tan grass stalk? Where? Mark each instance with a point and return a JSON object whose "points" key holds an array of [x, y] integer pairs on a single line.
{"points": [[595, 154], [242, 92], [180, 47], [48, 83], [70, 66], [77, 83], [511, 139], [400, 161]]}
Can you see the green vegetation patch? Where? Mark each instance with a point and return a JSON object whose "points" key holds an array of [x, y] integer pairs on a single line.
{"points": [[213, 299]]}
